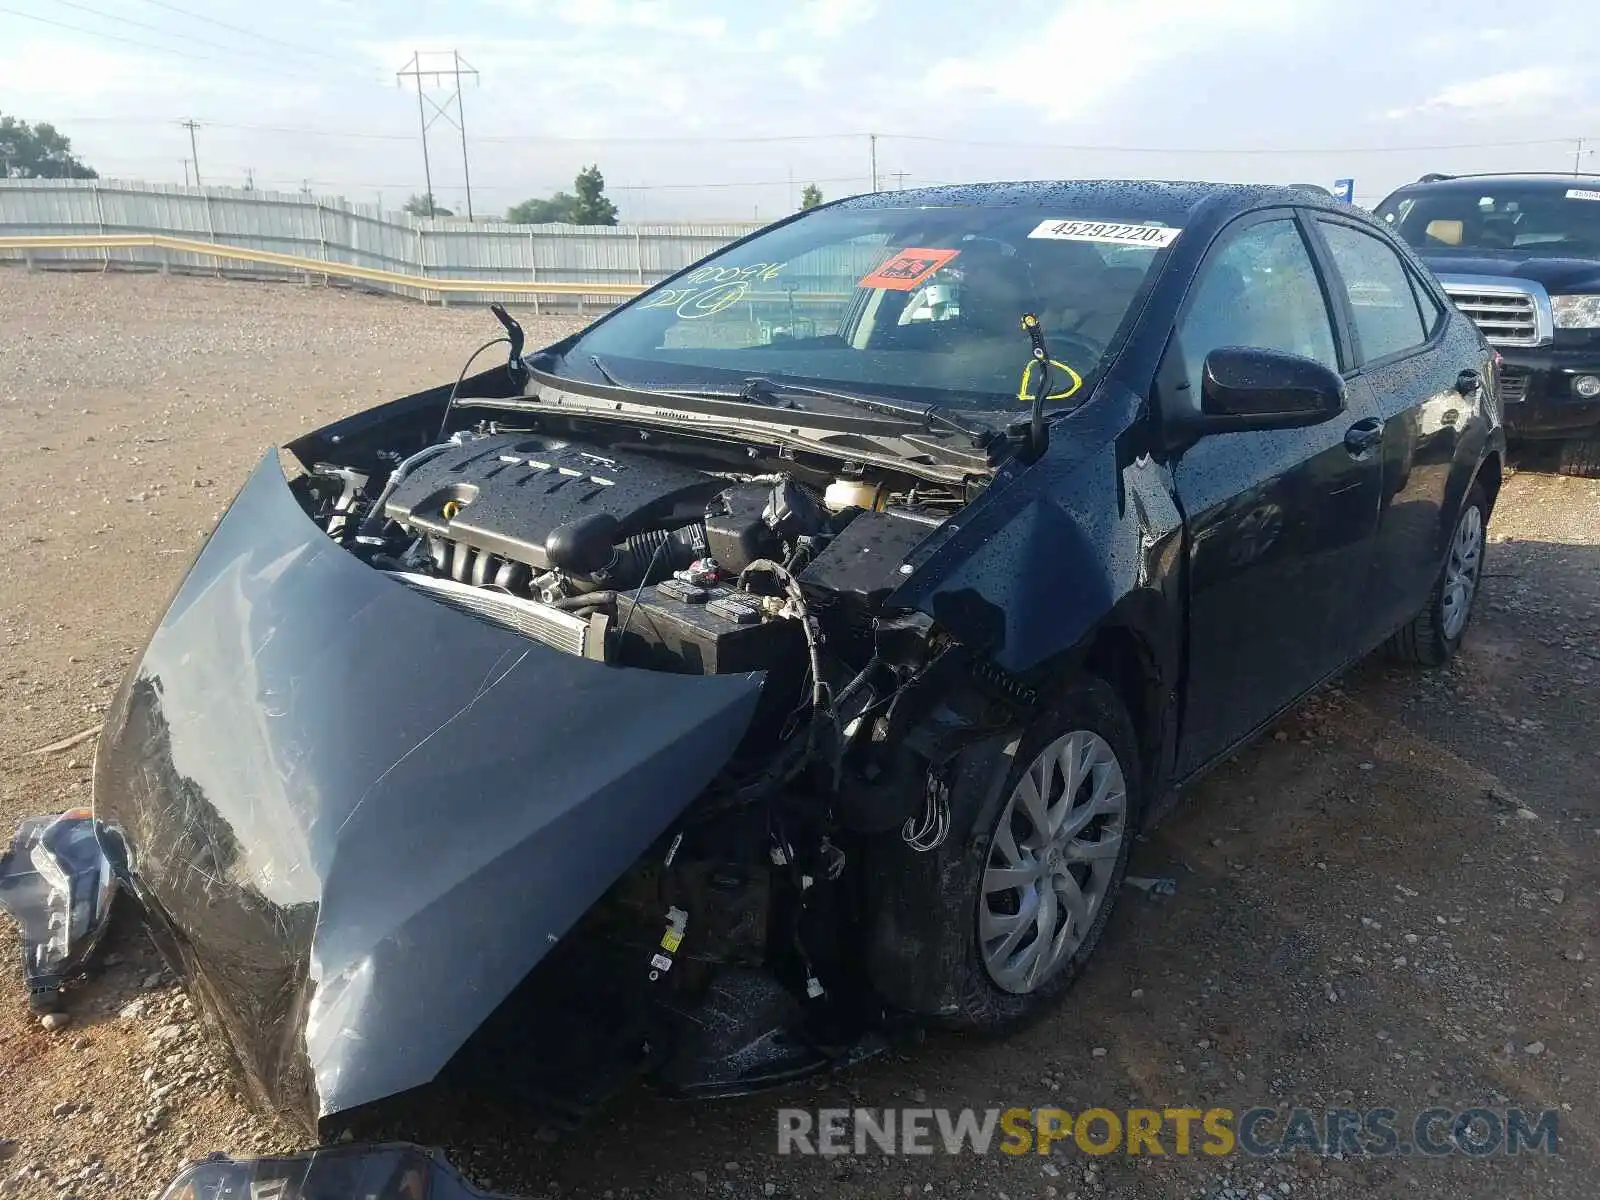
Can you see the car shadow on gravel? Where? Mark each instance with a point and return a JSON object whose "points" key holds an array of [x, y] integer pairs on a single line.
{"points": [[1362, 918]]}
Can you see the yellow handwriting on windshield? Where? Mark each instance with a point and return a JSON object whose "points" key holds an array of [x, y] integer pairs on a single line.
{"points": [[1025, 393]]}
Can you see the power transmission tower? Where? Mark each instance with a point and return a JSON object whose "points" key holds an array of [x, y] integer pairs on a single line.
{"points": [[194, 155], [185, 163], [434, 77]]}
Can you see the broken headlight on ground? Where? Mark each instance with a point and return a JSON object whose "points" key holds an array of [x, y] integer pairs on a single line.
{"points": [[57, 884], [390, 1172]]}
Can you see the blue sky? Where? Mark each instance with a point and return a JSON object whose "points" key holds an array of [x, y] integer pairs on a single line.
{"points": [[704, 109]]}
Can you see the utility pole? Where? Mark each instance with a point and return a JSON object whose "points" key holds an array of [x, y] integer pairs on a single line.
{"points": [[461, 124], [872, 144], [899, 180], [1577, 159], [191, 125], [425, 77]]}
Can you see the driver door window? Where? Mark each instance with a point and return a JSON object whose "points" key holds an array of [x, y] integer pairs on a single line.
{"points": [[1259, 290]]}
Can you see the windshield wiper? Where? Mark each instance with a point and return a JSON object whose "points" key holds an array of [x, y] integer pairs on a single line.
{"points": [[758, 389], [932, 416]]}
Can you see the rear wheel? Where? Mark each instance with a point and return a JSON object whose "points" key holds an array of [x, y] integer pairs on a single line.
{"points": [[1580, 457], [1435, 633], [1047, 862]]}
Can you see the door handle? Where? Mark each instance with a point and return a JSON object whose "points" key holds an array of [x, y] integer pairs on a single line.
{"points": [[1363, 435], [1468, 382]]}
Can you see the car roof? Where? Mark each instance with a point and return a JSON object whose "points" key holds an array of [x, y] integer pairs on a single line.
{"points": [[1110, 199], [1463, 183]]}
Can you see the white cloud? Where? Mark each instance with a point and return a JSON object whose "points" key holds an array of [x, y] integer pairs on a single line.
{"points": [[1531, 89], [655, 15], [45, 74], [1091, 50], [830, 18], [815, 20]]}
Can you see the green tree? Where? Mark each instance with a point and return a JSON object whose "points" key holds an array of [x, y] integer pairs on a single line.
{"points": [[810, 196], [588, 206], [421, 205], [543, 212], [38, 152], [591, 206]]}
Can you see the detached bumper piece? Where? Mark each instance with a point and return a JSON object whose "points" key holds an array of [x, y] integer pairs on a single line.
{"points": [[391, 1172], [57, 884]]}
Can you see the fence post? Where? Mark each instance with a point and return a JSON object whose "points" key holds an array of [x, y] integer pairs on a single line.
{"points": [[100, 220], [422, 258], [211, 233], [533, 268], [322, 238]]}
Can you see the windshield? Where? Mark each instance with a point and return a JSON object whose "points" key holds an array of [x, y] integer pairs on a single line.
{"points": [[918, 304], [1549, 222]]}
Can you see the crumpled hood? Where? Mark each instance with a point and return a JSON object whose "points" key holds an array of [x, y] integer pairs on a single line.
{"points": [[358, 818]]}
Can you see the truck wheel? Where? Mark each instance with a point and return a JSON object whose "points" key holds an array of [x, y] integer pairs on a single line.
{"points": [[1580, 457], [1046, 862], [1435, 633]]}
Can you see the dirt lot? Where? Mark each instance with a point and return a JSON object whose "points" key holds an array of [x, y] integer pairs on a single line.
{"points": [[1392, 901]]}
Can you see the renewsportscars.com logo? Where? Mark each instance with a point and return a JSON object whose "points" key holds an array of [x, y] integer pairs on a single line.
{"points": [[1258, 1132]]}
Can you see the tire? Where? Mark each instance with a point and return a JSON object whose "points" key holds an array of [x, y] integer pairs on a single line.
{"points": [[1087, 723], [1434, 635], [1580, 457]]}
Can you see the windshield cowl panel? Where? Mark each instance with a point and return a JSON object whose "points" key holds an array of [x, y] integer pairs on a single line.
{"points": [[918, 306]]}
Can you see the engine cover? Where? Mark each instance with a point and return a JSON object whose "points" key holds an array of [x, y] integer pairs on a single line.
{"points": [[506, 494]]}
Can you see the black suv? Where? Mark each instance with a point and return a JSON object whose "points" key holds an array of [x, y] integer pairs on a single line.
{"points": [[1520, 255], [795, 653]]}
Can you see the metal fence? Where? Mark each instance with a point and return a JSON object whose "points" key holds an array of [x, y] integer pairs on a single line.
{"points": [[333, 230]]}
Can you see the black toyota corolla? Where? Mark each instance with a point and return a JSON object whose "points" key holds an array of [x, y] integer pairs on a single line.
{"points": [[790, 658]]}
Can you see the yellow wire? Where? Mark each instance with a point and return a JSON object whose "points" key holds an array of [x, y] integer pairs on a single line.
{"points": [[1027, 373]]}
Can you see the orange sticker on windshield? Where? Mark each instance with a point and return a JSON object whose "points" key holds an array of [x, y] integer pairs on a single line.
{"points": [[907, 269]]}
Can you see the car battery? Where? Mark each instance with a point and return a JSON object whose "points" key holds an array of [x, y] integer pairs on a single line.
{"points": [[681, 627]]}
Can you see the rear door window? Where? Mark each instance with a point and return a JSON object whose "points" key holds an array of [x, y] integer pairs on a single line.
{"points": [[1382, 302]]}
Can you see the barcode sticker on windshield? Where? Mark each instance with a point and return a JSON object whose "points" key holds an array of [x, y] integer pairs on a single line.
{"points": [[1582, 194], [1154, 236]]}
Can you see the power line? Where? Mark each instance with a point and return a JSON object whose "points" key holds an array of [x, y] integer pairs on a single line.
{"points": [[1240, 150], [768, 139], [498, 138], [127, 41], [249, 33], [187, 37]]}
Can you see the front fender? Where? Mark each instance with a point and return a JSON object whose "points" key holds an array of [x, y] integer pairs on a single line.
{"points": [[1058, 548]]}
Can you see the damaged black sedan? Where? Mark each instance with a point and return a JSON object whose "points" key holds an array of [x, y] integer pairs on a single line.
{"points": [[791, 657]]}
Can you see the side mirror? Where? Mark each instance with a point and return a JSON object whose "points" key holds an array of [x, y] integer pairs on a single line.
{"points": [[1245, 389]]}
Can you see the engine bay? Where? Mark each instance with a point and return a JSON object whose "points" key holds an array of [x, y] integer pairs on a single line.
{"points": [[669, 563]]}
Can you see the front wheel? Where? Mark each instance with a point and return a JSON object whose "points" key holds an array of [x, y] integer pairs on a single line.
{"points": [[1434, 634], [1047, 862]]}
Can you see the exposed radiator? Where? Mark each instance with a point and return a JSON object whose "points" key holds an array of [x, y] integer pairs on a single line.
{"points": [[582, 636]]}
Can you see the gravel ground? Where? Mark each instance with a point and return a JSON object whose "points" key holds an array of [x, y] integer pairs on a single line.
{"points": [[1391, 901]]}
